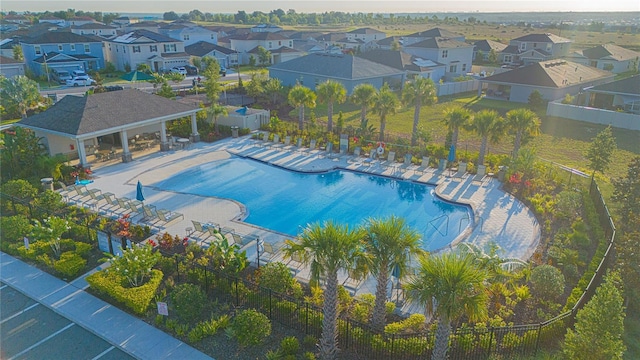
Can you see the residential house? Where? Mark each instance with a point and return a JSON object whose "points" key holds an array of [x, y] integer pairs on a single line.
{"points": [[224, 31], [266, 28], [455, 54], [9, 67], [17, 19], [79, 20], [278, 55], [366, 35], [96, 29], [160, 52], [72, 50], [429, 34], [226, 57], [616, 103], [410, 64], [608, 57], [6, 46], [143, 25], [314, 69], [7, 26], [331, 39], [388, 43], [123, 21], [50, 19], [485, 47], [553, 79], [535, 47], [189, 34], [243, 44]]}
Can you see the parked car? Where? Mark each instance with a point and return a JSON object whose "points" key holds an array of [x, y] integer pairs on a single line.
{"points": [[61, 76], [179, 70], [79, 74], [191, 70], [113, 88], [81, 81]]}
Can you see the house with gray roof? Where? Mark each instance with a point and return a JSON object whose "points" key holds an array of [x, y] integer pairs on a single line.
{"points": [[158, 51], [484, 47], [608, 57], [410, 64], [52, 20], [388, 43], [553, 79], [616, 103], [456, 55], [366, 34], [429, 34], [95, 29], [535, 47], [245, 43], [77, 123], [188, 34], [313, 69], [9, 67], [226, 57], [80, 52], [142, 25]]}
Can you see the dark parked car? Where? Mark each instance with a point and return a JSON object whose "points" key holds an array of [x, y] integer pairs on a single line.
{"points": [[191, 70], [113, 88]]}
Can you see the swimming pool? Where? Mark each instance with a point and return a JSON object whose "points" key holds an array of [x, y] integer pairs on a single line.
{"points": [[286, 201]]}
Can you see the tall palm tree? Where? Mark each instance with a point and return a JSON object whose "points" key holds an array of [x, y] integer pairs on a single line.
{"points": [[301, 96], [524, 122], [331, 92], [328, 248], [385, 103], [449, 286], [389, 243], [455, 118], [363, 95], [487, 123], [419, 92]]}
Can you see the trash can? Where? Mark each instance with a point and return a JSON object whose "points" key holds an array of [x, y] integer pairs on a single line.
{"points": [[501, 172], [234, 131], [47, 183]]}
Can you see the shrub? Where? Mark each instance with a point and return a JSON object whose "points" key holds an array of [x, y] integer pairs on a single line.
{"points": [[70, 264], [413, 323], [14, 228], [188, 300], [250, 327], [135, 264], [208, 328], [310, 341], [290, 345], [547, 282], [137, 299], [277, 277], [309, 356]]}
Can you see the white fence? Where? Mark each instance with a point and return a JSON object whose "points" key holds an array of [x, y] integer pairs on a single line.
{"points": [[451, 88], [594, 115]]}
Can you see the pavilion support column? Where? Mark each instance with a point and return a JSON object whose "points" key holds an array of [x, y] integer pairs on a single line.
{"points": [[82, 155], [126, 155], [164, 144], [480, 89], [195, 136]]}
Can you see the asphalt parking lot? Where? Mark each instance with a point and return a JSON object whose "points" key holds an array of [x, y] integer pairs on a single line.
{"points": [[30, 330]]}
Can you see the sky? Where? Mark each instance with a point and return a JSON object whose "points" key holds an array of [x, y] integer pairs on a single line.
{"points": [[366, 6]]}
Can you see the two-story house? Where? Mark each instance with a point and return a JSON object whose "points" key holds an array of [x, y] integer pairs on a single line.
{"points": [[189, 34], [160, 52], [485, 47], [454, 54], [17, 19], [429, 34], [366, 35], [226, 57], [142, 25], [243, 44], [532, 48], [608, 57], [64, 51], [96, 29], [52, 20], [412, 65], [123, 21], [79, 20]]}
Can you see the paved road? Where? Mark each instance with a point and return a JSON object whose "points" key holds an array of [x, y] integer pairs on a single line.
{"points": [[30, 330]]}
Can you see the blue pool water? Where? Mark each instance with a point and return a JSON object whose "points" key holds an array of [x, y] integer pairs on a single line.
{"points": [[286, 201]]}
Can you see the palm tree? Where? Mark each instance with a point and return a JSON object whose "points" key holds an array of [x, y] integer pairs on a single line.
{"points": [[524, 122], [217, 110], [419, 92], [389, 243], [328, 248], [363, 95], [486, 123], [455, 118], [273, 87], [385, 103], [449, 286], [20, 90], [331, 92], [301, 96]]}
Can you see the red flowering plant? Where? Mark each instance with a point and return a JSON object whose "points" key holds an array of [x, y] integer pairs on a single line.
{"points": [[172, 244]]}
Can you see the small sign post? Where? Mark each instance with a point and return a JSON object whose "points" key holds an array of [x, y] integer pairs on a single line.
{"points": [[162, 308], [26, 242]]}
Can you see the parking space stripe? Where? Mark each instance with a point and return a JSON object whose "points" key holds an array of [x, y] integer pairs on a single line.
{"points": [[41, 341], [19, 313], [103, 353]]}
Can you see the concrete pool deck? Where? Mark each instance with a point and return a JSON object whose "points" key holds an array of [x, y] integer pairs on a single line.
{"points": [[499, 217]]}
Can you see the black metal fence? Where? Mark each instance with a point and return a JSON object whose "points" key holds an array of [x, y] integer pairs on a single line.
{"points": [[358, 340]]}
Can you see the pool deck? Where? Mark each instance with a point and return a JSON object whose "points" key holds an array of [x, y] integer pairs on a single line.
{"points": [[499, 217]]}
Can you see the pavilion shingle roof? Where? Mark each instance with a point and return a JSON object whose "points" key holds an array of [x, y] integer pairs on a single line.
{"points": [[76, 115]]}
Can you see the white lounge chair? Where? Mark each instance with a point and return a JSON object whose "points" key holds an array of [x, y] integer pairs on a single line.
{"points": [[462, 170], [480, 175], [167, 216], [424, 166]]}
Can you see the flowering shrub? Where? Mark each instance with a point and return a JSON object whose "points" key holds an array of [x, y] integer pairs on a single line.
{"points": [[135, 264], [50, 231], [171, 243]]}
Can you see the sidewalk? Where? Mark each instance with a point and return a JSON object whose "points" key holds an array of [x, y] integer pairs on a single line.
{"points": [[126, 332]]}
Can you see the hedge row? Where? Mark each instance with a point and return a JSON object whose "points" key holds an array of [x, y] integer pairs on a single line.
{"points": [[137, 299]]}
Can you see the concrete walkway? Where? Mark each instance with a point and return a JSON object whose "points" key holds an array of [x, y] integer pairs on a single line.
{"points": [[69, 300]]}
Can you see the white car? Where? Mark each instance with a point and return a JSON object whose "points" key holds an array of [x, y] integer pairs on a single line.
{"points": [[179, 70], [81, 81]]}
